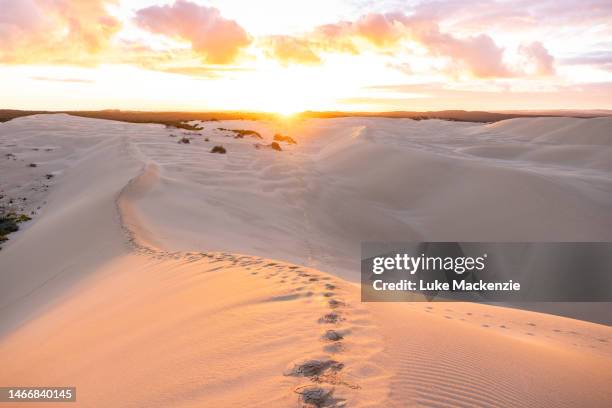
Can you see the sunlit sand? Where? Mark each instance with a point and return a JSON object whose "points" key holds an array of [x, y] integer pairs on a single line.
{"points": [[157, 273]]}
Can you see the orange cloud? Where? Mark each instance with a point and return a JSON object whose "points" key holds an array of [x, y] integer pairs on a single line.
{"points": [[287, 49], [215, 38], [376, 29], [380, 30], [55, 31]]}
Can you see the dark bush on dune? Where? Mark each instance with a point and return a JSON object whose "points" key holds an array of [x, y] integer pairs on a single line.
{"points": [[10, 223], [240, 133], [282, 138], [181, 125], [7, 225], [32, 165], [184, 140], [275, 146], [218, 149]]}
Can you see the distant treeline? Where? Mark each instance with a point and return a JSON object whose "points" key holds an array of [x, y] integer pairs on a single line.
{"points": [[176, 119]]}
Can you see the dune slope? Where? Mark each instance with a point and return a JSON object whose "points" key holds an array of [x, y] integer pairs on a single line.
{"points": [[130, 284]]}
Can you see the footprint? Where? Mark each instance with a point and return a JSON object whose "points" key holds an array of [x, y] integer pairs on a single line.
{"points": [[330, 318], [332, 335], [333, 303], [284, 298], [315, 396], [314, 368], [337, 347]]}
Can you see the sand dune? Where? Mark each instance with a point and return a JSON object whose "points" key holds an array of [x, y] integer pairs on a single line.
{"points": [[401, 173], [130, 284]]}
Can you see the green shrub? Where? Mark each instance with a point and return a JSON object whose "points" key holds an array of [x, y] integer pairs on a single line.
{"points": [[282, 138], [10, 223], [218, 149]]}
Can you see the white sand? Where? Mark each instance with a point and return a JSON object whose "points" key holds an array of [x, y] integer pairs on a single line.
{"points": [[108, 289]]}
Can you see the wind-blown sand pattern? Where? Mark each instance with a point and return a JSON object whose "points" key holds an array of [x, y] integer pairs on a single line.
{"points": [[157, 274]]}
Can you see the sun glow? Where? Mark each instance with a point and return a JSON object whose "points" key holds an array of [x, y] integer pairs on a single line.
{"points": [[231, 55]]}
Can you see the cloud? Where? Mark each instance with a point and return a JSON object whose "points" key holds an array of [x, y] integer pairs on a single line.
{"points": [[55, 31], [600, 59], [287, 49], [516, 15], [201, 72], [436, 96], [382, 30], [216, 39], [477, 54], [70, 80], [539, 58], [370, 30], [82, 33], [378, 30]]}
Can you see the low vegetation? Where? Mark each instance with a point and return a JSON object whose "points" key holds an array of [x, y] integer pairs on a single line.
{"points": [[172, 118], [240, 133], [282, 138], [8, 114], [184, 140], [181, 125], [218, 149], [10, 223]]}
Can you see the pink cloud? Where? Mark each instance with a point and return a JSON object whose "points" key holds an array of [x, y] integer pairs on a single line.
{"points": [[537, 56], [380, 29], [217, 39], [478, 54]]}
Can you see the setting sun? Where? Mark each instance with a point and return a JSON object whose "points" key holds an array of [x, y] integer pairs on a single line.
{"points": [[228, 55]]}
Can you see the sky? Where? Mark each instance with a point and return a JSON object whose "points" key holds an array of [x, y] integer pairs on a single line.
{"points": [[287, 56]]}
